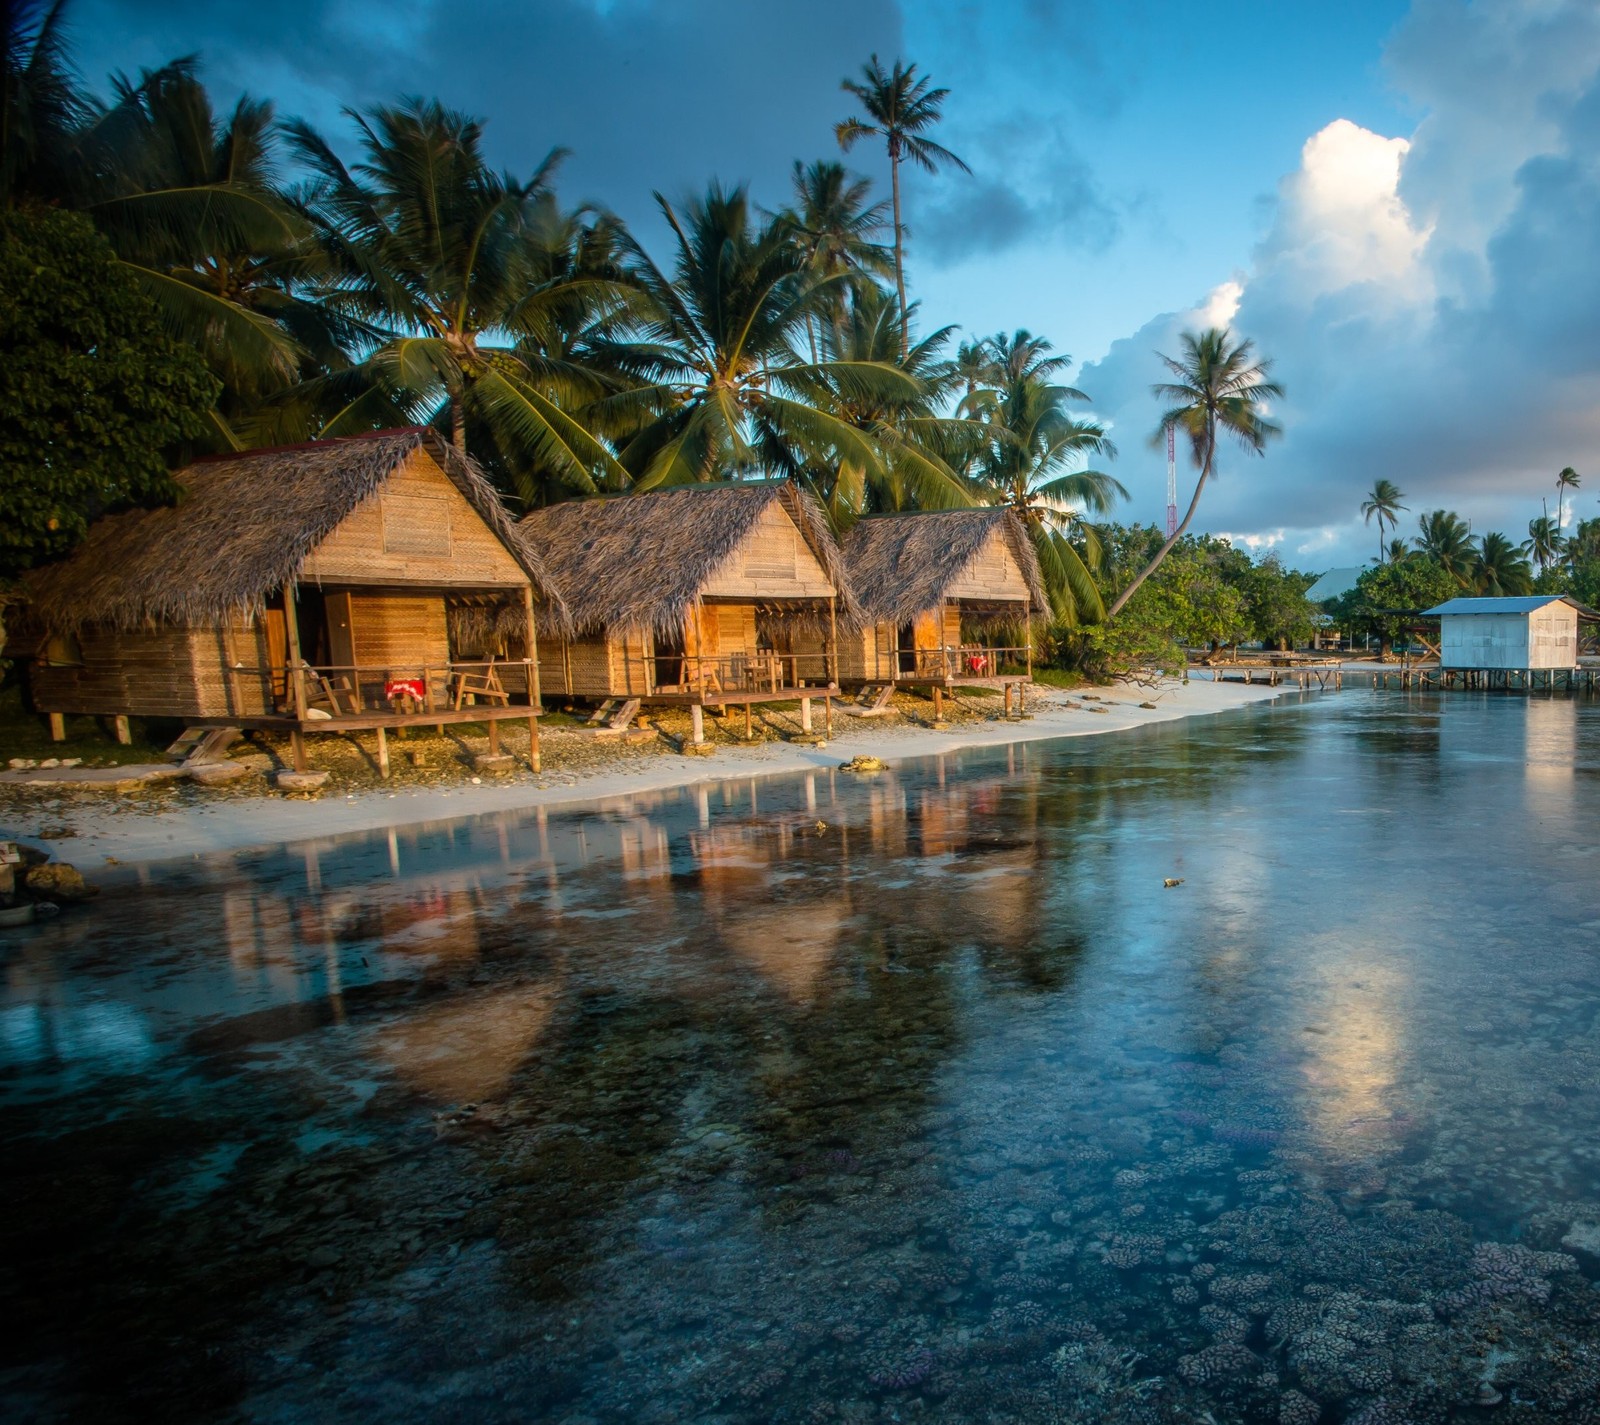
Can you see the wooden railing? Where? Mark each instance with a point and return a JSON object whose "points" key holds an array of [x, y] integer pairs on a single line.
{"points": [[356, 690], [761, 672], [969, 660]]}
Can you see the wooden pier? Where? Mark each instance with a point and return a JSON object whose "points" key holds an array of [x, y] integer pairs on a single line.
{"points": [[1431, 677], [1304, 673]]}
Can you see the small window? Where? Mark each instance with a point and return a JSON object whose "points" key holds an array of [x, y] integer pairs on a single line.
{"points": [[416, 524]]}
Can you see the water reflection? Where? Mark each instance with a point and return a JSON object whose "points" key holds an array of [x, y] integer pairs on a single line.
{"points": [[824, 1098]]}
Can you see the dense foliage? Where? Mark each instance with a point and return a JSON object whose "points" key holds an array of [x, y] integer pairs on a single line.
{"points": [[1204, 593], [93, 395]]}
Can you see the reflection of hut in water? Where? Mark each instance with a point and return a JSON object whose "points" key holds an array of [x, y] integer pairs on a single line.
{"points": [[791, 939], [306, 588], [704, 596], [948, 599]]}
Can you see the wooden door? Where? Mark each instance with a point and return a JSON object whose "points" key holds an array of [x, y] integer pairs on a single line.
{"points": [[928, 639], [341, 632], [277, 632], [703, 641]]}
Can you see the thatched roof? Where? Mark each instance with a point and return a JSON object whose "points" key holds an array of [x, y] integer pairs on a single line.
{"points": [[902, 565], [242, 529], [637, 563]]}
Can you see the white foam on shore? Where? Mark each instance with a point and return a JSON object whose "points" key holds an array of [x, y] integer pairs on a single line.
{"points": [[242, 823]]}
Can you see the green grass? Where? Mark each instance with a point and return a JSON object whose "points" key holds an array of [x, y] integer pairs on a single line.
{"points": [[27, 734], [1060, 678]]}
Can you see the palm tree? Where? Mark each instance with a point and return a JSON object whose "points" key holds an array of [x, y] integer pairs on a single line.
{"points": [[917, 444], [42, 108], [1568, 479], [429, 244], [1543, 541], [192, 205], [1033, 458], [723, 391], [834, 225], [1220, 390], [1447, 539], [1398, 552], [901, 109], [1384, 503], [1500, 567]]}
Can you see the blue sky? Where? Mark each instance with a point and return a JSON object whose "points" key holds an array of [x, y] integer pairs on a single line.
{"points": [[1394, 198]]}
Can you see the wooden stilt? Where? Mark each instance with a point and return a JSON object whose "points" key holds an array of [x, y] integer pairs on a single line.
{"points": [[748, 734], [1022, 698], [58, 727], [120, 729], [805, 714], [533, 744], [827, 715], [383, 754], [297, 744], [697, 724], [297, 675], [1008, 699], [938, 703], [494, 737]]}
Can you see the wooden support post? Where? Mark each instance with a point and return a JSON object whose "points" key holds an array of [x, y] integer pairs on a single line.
{"points": [[383, 754], [297, 743], [938, 703], [120, 729], [747, 732], [805, 714], [297, 676], [827, 715], [1022, 699], [530, 647], [58, 727], [1027, 635], [494, 737], [533, 744], [833, 641], [697, 724], [1008, 701]]}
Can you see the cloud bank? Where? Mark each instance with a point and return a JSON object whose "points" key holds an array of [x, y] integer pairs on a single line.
{"points": [[1431, 302]]}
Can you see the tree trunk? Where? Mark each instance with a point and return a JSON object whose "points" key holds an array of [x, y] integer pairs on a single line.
{"points": [[1172, 539], [458, 424], [899, 252]]}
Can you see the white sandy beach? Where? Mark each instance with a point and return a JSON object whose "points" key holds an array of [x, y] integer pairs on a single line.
{"points": [[125, 836]]}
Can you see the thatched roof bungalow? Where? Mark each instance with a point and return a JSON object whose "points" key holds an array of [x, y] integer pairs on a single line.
{"points": [[699, 594], [947, 598], [344, 555]]}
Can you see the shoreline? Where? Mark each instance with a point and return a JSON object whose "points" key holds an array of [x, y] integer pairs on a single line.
{"points": [[116, 836]]}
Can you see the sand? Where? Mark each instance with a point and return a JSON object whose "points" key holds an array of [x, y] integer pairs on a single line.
{"points": [[108, 834]]}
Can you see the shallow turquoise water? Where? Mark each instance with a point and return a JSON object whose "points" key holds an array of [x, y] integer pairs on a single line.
{"points": [[910, 1097]]}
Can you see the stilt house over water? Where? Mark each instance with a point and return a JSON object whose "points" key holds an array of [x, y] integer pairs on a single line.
{"points": [[701, 595], [303, 588], [1517, 635], [948, 600]]}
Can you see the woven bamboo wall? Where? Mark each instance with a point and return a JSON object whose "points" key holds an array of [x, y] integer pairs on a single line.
{"points": [[170, 672], [401, 632], [992, 573], [418, 529], [772, 562]]}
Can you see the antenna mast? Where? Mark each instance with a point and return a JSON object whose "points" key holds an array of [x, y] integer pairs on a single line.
{"points": [[1172, 483]]}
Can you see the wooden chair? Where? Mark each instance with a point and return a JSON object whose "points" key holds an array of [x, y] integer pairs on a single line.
{"points": [[334, 695], [484, 685]]}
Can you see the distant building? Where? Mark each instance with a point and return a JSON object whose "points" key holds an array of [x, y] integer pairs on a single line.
{"points": [[1538, 631], [1334, 583]]}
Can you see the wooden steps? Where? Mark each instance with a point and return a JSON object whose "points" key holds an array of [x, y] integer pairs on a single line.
{"points": [[874, 701], [613, 718], [198, 745]]}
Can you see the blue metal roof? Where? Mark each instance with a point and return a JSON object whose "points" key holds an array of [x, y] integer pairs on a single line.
{"points": [[1520, 605]]}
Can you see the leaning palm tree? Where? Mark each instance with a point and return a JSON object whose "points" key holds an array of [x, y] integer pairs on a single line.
{"points": [[723, 390], [1446, 538], [1499, 567], [1568, 479], [1034, 459], [900, 108], [429, 244], [1220, 390], [1543, 543], [1384, 505], [1397, 553], [835, 225]]}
